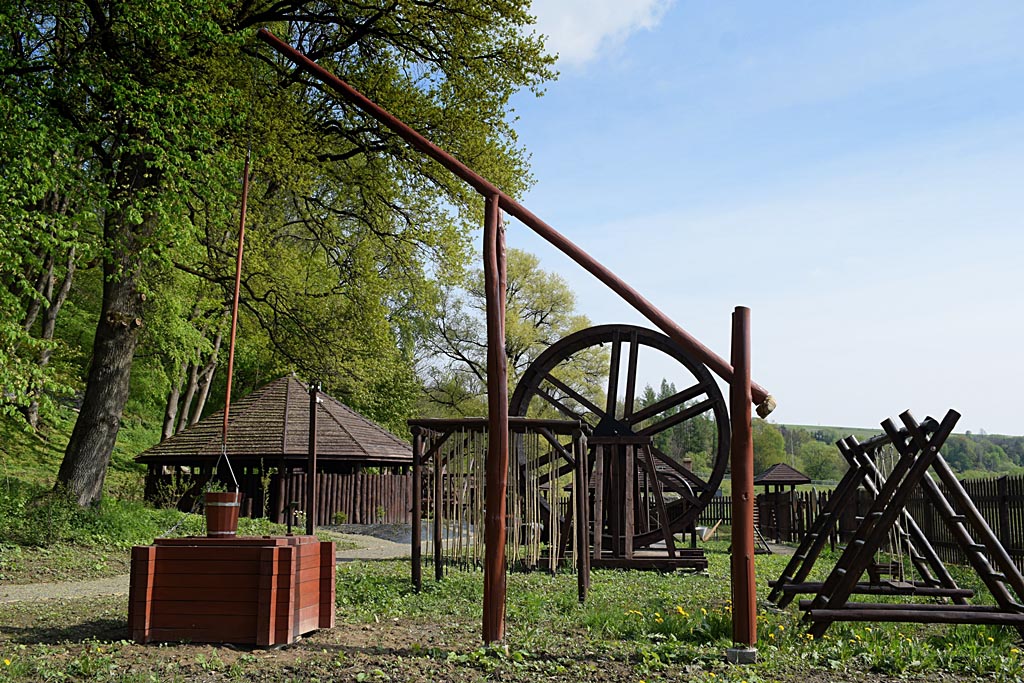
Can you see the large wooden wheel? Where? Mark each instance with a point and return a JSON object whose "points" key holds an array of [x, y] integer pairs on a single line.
{"points": [[682, 493]]}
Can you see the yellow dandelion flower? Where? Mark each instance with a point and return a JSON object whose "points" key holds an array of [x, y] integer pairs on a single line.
{"points": [[781, 627], [7, 662], [810, 636], [857, 636], [703, 611], [991, 639], [867, 629], [658, 615], [1014, 651], [772, 636], [679, 608], [660, 620]]}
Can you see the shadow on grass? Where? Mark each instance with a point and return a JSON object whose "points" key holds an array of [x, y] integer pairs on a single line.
{"points": [[95, 629]]}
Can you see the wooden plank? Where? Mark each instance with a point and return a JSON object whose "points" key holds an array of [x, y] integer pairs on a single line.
{"points": [[628, 507], [266, 616], [598, 521], [215, 582], [327, 585], [198, 635], [140, 593], [236, 594], [226, 623], [657, 564], [185, 606], [950, 616], [208, 554]]}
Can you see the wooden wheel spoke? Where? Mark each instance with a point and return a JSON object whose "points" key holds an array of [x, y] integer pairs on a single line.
{"points": [[672, 401], [574, 395], [568, 412], [682, 416], [683, 473], [634, 351], [613, 375]]}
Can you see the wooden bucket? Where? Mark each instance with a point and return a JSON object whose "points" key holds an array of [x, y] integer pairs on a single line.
{"points": [[222, 513]]}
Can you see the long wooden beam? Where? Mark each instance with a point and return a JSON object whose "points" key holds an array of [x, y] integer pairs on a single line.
{"points": [[719, 365]]}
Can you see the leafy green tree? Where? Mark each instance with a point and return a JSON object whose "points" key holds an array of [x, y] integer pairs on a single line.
{"points": [[820, 461], [152, 102], [769, 446], [540, 310]]}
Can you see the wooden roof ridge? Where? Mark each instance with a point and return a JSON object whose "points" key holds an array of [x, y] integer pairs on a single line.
{"points": [[781, 473], [331, 402], [273, 421]]}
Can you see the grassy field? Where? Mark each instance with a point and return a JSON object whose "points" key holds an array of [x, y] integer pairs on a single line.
{"points": [[634, 627]]}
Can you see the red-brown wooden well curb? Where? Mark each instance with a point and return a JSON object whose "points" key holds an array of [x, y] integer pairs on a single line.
{"points": [[259, 591]]}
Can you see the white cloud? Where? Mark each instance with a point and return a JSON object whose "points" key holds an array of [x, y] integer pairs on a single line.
{"points": [[578, 30]]}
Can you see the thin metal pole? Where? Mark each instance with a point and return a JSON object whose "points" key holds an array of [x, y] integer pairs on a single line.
{"points": [[765, 402], [311, 511], [417, 508], [744, 591], [497, 428], [234, 305]]}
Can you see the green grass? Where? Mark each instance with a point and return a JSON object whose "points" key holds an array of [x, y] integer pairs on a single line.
{"points": [[634, 626]]}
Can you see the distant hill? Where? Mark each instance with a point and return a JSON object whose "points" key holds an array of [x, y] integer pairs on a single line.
{"points": [[970, 455]]}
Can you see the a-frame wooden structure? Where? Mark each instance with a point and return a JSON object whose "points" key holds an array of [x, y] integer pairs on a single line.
{"points": [[918, 447], [863, 472]]}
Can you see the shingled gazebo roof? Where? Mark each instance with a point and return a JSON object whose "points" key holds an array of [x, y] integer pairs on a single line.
{"points": [[273, 422], [781, 474]]}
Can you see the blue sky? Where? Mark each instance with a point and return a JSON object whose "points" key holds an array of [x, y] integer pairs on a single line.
{"points": [[850, 171]]}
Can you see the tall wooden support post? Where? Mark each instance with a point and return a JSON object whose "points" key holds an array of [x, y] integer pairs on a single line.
{"points": [[744, 592], [579, 444], [311, 511], [417, 508], [497, 425]]}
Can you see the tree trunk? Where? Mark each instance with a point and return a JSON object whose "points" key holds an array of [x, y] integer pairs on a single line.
{"points": [[87, 456], [190, 392], [171, 411], [50, 325], [206, 379]]}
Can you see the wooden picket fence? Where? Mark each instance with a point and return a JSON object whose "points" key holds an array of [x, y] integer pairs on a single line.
{"points": [[787, 516]]}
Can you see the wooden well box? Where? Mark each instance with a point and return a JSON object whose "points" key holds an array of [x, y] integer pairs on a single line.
{"points": [[259, 591]]}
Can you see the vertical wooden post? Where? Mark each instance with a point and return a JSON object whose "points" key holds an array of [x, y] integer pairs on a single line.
{"points": [[497, 426], [438, 513], [744, 592], [579, 443], [417, 508], [311, 492]]}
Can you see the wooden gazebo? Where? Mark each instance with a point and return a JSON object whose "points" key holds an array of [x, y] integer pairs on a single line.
{"points": [[775, 508], [363, 470]]}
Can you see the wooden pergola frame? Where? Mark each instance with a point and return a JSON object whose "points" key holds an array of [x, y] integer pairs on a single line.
{"points": [[743, 389]]}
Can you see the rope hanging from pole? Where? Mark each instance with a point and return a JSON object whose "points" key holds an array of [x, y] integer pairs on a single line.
{"points": [[234, 322]]}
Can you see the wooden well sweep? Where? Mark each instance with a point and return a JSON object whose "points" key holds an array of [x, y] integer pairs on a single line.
{"points": [[259, 591]]}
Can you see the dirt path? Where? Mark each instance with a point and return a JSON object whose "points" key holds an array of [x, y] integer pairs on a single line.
{"points": [[370, 548]]}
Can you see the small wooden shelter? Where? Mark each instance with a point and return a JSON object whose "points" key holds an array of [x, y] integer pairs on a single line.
{"points": [[363, 470], [772, 507]]}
